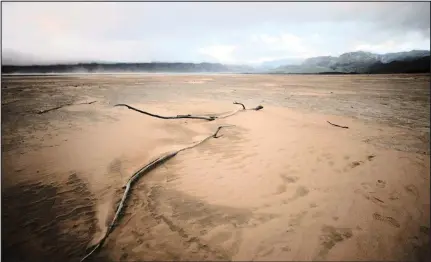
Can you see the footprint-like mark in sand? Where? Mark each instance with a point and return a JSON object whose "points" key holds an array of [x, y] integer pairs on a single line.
{"points": [[330, 237], [368, 191], [286, 180], [280, 189], [115, 166], [367, 187], [277, 243], [389, 220], [394, 195], [311, 149], [356, 163], [360, 162], [301, 191], [289, 179], [381, 183], [286, 249], [412, 190], [424, 229], [263, 251], [296, 220], [370, 157], [327, 156]]}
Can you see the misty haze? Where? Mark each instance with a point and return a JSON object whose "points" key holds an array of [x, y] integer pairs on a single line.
{"points": [[215, 131]]}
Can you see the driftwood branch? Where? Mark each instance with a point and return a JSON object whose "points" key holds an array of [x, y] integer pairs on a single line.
{"points": [[58, 107], [134, 178], [259, 107], [337, 125], [87, 103], [208, 118]]}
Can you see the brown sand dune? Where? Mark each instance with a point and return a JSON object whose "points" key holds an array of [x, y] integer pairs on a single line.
{"points": [[280, 185]]}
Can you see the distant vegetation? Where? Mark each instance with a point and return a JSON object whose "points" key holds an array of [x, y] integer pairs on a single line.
{"points": [[118, 67], [419, 65], [416, 61]]}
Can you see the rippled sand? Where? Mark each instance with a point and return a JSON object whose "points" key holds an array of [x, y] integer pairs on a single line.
{"points": [[281, 184]]}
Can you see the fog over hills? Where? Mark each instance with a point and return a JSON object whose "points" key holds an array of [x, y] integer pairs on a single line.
{"points": [[415, 61]]}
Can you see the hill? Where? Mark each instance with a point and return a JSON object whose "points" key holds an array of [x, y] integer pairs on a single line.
{"points": [[418, 65], [361, 62]]}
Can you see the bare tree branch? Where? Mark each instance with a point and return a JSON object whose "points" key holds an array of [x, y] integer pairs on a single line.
{"points": [[58, 107], [208, 118], [337, 125]]}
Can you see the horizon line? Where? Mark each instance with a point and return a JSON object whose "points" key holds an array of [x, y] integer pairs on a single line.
{"points": [[184, 62]]}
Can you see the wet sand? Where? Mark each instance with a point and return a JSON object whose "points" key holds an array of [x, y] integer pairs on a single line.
{"points": [[282, 184]]}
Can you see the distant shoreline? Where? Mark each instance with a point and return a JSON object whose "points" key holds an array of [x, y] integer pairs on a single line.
{"points": [[193, 73], [421, 65]]}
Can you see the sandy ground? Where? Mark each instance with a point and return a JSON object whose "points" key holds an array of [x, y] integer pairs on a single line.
{"points": [[281, 184]]}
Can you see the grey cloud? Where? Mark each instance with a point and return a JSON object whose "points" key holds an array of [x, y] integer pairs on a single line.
{"points": [[197, 19], [404, 15], [135, 31]]}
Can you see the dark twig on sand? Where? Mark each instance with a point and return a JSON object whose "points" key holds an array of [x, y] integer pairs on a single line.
{"points": [[58, 107], [208, 118], [337, 125], [259, 107], [243, 106], [150, 166], [51, 109]]}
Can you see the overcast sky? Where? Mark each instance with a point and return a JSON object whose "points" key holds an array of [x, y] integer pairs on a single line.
{"points": [[214, 32]]}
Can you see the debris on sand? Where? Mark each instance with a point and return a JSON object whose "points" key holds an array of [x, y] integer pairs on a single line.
{"points": [[337, 125], [58, 107], [208, 118]]}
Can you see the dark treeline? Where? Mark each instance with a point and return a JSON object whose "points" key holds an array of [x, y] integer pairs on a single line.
{"points": [[412, 66], [419, 65]]}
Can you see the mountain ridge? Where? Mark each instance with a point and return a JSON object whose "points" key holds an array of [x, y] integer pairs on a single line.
{"points": [[355, 62]]}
